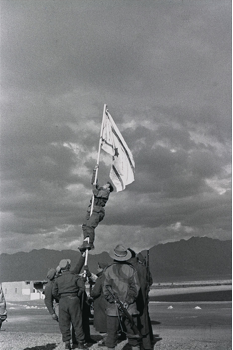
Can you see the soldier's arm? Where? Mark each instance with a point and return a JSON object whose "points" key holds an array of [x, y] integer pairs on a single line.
{"points": [[96, 290], [55, 290], [48, 300], [95, 189], [80, 284], [78, 267], [106, 284], [133, 288]]}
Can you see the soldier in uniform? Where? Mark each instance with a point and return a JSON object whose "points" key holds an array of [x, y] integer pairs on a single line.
{"points": [[68, 288], [101, 195], [85, 307], [49, 300], [122, 279]]}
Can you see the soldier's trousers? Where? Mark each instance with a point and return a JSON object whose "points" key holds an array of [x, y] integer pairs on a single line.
{"points": [[112, 329], [70, 312], [91, 222]]}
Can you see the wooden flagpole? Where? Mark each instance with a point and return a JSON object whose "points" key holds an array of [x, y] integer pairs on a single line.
{"points": [[96, 173], [98, 156]]}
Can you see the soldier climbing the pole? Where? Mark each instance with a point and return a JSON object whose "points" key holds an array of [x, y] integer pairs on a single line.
{"points": [[95, 211], [121, 175]]}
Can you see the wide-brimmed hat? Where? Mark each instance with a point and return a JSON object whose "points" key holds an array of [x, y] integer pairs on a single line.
{"points": [[120, 253], [64, 263]]}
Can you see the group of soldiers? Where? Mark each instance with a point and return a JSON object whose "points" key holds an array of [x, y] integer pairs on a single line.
{"points": [[119, 292], [126, 281]]}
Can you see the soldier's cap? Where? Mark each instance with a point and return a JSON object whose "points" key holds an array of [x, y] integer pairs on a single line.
{"points": [[140, 257], [64, 263], [120, 253], [102, 264], [58, 269], [51, 273]]}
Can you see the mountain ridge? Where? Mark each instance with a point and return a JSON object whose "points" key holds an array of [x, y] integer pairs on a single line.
{"points": [[192, 259]]}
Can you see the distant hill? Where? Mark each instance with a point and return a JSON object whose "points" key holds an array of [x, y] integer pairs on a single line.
{"points": [[198, 258]]}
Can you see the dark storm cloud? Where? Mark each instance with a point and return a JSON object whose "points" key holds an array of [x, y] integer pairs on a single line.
{"points": [[163, 68]]}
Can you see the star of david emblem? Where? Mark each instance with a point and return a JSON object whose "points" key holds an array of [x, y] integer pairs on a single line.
{"points": [[116, 154]]}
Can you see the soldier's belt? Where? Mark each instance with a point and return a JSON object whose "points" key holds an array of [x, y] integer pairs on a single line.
{"points": [[70, 294]]}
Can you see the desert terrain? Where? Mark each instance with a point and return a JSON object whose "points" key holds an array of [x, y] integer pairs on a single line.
{"points": [[183, 324]]}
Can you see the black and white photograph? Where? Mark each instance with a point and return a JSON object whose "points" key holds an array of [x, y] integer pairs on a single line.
{"points": [[116, 175]]}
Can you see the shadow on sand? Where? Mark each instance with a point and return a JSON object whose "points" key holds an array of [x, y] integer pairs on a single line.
{"points": [[43, 347], [156, 339], [155, 322]]}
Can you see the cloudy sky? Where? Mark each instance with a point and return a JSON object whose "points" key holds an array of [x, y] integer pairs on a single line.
{"points": [[163, 68]]}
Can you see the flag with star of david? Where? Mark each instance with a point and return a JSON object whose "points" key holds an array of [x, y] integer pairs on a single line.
{"points": [[112, 142]]}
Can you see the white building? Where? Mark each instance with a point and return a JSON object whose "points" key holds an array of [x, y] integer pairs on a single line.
{"points": [[23, 290]]}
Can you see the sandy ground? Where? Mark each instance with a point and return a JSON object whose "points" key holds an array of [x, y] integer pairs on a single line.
{"points": [[172, 339], [176, 326]]}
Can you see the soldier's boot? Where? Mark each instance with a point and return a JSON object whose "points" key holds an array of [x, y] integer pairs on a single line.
{"points": [[85, 246], [67, 345], [91, 245]]}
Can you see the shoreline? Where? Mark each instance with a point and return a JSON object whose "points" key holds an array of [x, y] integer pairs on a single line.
{"points": [[175, 289], [190, 292], [184, 284]]}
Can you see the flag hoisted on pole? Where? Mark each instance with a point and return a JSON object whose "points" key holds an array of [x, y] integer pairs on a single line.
{"points": [[112, 142], [123, 166]]}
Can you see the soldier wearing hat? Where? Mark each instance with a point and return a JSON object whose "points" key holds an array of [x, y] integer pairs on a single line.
{"points": [[122, 279], [49, 300], [68, 288]]}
